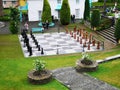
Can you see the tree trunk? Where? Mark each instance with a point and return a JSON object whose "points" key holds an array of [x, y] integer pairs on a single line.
{"points": [[1, 8]]}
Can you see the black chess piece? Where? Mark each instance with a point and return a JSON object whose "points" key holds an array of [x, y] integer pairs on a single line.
{"points": [[42, 52], [30, 51], [38, 47]]}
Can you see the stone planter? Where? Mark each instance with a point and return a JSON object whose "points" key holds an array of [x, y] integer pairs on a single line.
{"points": [[81, 67], [43, 78]]}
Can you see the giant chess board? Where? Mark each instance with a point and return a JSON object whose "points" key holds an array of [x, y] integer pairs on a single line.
{"points": [[54, 44]]}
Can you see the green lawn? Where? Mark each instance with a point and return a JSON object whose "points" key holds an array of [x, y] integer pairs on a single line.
{"points": [[14, 67]]}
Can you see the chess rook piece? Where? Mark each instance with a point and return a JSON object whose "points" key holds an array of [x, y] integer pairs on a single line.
{"points": [[98, 45], [42, 52]]}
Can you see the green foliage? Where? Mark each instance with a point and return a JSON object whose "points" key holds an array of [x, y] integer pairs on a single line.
{"points": [[14, 20], [117, 30], [13, 27], [4, 18], [14, 14], [39, 65], [95, 18], [65, 13], [87, 10], [46, 14]]}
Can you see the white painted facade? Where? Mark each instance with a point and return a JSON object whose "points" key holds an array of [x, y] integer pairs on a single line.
{"points": [[35, 8]]}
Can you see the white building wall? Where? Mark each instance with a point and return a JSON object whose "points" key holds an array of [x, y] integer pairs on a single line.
{"points": [[34, 6]]}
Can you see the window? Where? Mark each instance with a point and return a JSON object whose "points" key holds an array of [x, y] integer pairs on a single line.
{"points": [[4, 2], [58, 1], [13, 2], [77, 11], [77, 1]]}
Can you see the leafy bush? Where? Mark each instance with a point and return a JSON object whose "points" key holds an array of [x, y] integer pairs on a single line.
{"points": [[4, 18], [65, 13], [13, 27], [39, 65]]}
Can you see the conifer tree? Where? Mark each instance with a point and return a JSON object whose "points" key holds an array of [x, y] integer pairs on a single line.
{"points": [[46, 14], [95, 18], [65, 13], [87, 10]]}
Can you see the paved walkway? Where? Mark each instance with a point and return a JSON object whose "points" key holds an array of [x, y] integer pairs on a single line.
{"points": [[79, 81]]}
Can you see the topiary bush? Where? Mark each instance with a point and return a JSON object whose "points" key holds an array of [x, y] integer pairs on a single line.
{"points": [[95, 18], [46, 14], [87, 10], [65, 13], [13, 27]]}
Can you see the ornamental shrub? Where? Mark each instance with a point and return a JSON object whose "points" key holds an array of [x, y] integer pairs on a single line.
{"points": [[95, 18], [87, 10], [46, 14], [65, 13]]}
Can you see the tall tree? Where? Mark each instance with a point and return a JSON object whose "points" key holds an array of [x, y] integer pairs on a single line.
{"points": [[117, 30], [65, 13], [87, 10], [46, 14], [1, 8], [95, 18]]}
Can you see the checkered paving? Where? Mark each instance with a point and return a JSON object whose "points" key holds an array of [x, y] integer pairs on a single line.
{"points": [[53, 44]]}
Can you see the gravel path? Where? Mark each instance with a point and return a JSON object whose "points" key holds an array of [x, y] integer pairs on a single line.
{"points": [[79, 81]]}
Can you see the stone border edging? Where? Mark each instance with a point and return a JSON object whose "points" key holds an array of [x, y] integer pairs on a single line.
{"points": [[108, 59]]}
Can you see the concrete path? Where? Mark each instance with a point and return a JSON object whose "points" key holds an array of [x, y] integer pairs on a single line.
{"points": [[79, 81]]}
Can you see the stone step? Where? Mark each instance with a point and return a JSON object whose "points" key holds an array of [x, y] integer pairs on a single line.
{"points": [[107, 34], [112, 39]]}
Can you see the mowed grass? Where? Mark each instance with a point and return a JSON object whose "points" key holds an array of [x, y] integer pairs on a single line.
{"points": [[14, 67]]}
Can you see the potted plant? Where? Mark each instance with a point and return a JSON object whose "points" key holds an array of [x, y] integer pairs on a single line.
{"points": [[86, 64], [39, 75]]}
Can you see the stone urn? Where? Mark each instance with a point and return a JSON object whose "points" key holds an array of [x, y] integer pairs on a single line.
{"points": [[41, 77], [86, 65]]}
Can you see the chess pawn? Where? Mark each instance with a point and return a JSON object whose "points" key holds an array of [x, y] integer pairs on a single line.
{"points": [[88, 46], [93, 42], [80, 32], [74, 29], [74, 36], [42, 52], [30, 51], [78, 39], [38, 47], [66, 31], [84, 44], [98, 45]]}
